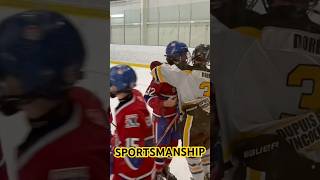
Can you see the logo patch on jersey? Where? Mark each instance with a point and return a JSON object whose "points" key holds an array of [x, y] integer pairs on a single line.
{"points": [[75, 173], [131, 121]]}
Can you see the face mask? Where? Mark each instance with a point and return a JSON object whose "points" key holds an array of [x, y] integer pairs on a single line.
{"points": [[9, 106]]}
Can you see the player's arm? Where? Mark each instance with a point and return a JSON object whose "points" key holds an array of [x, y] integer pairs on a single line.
{"points": [[169, 74], [151, 97], [196, 105]]}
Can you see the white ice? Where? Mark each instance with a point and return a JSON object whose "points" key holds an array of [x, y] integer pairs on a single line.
{"points": [[179, 166]]}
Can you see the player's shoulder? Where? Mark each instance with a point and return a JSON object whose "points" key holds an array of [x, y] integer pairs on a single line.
{"points": [[89, 105], [137, 102], [165, 85], [167, 67], [154, 83], [84, 97], [138, 96]]}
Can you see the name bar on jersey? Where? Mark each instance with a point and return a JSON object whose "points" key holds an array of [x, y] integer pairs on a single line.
{"points": [[159, 152]]}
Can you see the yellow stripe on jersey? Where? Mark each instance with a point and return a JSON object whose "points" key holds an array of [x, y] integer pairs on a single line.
{"points": [[187, 71], [249, 31], [154, 76], [186, 131], [159, 74]]}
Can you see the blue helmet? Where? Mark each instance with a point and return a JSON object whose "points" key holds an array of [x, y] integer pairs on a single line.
{"points": [[122, 78], [175, 50], [37, 48]]}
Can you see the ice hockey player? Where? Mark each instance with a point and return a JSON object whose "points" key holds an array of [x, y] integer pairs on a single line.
{"points": [[41, 57], [193, 89], [200, 58], [265, 78], [134, 125], [162, 98]]}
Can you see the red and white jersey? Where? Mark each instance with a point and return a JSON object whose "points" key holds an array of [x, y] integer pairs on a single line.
{"points": [[75, 150], [134, 128], [156, 94]]}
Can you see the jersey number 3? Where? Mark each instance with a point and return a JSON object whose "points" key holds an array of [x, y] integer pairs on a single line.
{"points": [[306, 73], [206, 87]]}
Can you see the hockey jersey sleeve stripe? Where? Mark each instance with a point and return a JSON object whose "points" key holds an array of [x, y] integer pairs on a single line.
{"points": [[148, 138], [155, 75], [130, 164], [136, 178], [159, 163], [159, 74], [150, 98]]}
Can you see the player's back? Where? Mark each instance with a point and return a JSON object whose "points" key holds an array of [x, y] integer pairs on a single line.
{"points": [[190, 84], [274, 76]]}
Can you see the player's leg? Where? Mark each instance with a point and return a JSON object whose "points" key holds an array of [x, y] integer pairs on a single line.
{"points": [[194, 164], [200, 136], [162, 164], [174, 137], [205, 159], [166, 169], [162, 140], [205, 162]]}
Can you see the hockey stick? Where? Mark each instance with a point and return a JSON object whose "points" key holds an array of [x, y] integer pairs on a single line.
{"points": [[168, 128]]}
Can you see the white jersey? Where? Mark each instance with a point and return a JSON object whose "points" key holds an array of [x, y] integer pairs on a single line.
{"points": [[190, 85], [259, 82]]}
